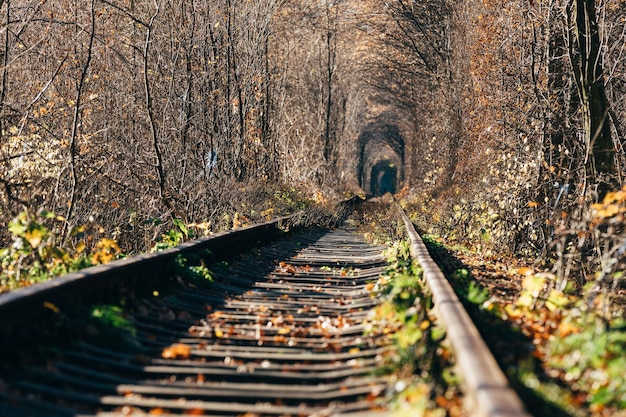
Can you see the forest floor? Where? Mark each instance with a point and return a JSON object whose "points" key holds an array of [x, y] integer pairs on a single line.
{"points": [[534, 344]]}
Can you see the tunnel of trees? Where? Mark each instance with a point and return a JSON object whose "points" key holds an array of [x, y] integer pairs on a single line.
{"points": [[500, 123], [128, 114]]}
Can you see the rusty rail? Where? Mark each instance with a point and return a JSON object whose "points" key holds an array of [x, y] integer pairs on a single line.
{"points": [[280, 332], [487, 390], [91, 284]]}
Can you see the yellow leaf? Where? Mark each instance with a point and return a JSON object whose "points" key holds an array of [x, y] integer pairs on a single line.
{"points": [[525, 300], [511, 311], [556, 299], [35, 236], [284, 330], [80, 246], [608, 211], [534, 284], [76, 230]]}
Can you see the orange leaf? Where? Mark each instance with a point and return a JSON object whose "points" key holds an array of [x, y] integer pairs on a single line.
{"points": [[194, 412], [176, 351]]}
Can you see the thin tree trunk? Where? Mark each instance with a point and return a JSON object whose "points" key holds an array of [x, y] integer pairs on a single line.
{"points": [[330, 71], [149, 108], [73, 145]]}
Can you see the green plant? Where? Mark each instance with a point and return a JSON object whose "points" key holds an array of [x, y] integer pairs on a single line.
{"points": [[577, 344], [113, 316], [193, 269], [109, 326], [591, 353], [291, 199], [173, 237], [420, 358], [468, 288], [476, 294], [38, 252]]}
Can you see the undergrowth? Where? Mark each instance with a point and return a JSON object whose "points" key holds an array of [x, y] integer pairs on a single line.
{"points": [[570, 304], [421, 368], [39, 246], [577, 345]]}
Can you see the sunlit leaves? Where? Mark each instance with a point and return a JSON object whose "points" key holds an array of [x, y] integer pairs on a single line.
{"points": [[590, 355], [80, 247], [575, 344], [557, 300], [612, 208], [106, 250], [38, 251]]}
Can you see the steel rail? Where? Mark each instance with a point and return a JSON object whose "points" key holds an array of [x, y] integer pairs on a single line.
{"points": [[295, 347], [40, 301], [487, 390], [265, 330]]}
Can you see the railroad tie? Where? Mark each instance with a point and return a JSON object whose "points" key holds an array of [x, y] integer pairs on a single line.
{"points": [[279, 333]]}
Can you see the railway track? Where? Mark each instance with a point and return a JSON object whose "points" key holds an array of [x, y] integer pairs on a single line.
{"points": [[280, 332]]}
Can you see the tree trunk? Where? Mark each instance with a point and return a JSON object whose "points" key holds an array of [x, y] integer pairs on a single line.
{"points": [[587, 64]]}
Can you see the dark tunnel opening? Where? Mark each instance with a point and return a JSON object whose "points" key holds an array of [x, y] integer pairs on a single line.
{"points": [[381, 158], [384, 178]]}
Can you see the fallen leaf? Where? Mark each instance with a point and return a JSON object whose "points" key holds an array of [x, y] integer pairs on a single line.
{"points": [[284, 330], [51, 306], [176, 351], [194, 412]]}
